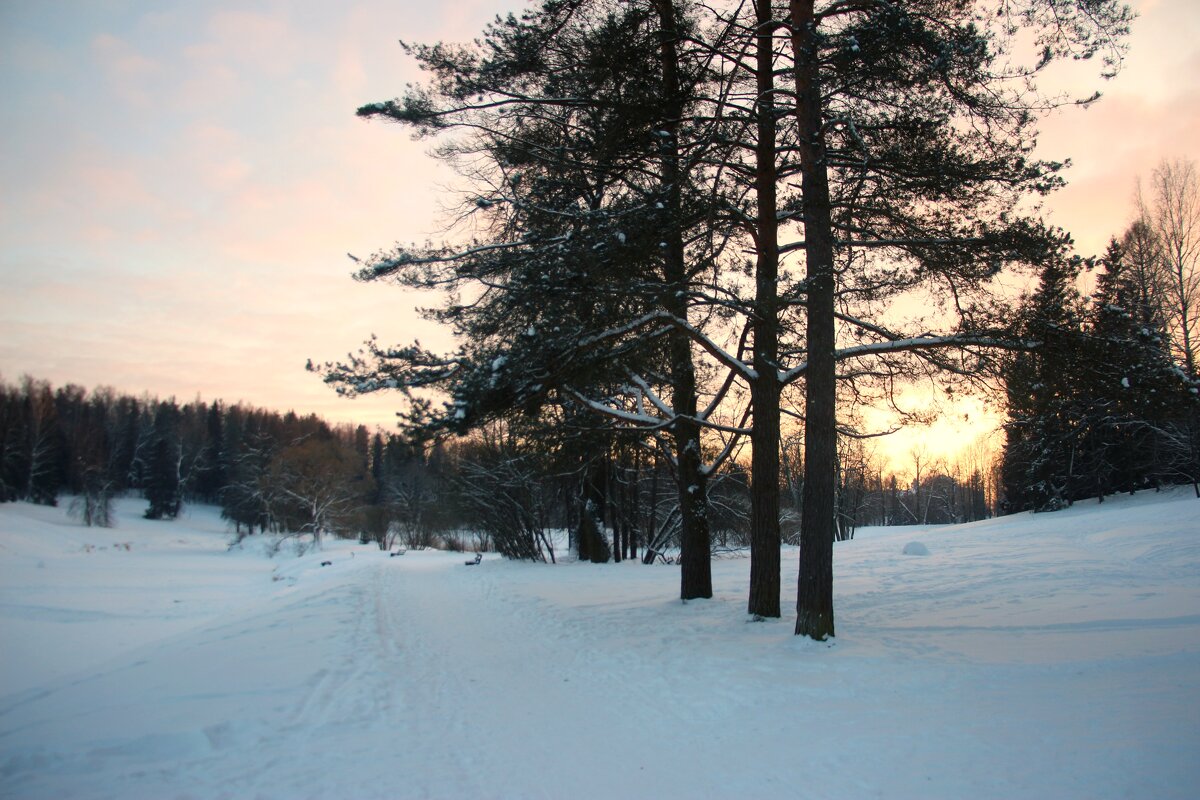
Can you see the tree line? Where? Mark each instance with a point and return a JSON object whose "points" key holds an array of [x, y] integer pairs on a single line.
{"points": [[268, 471], [500, 488]]}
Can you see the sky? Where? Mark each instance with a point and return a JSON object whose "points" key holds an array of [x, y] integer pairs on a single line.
{"points": [[181, 182]]}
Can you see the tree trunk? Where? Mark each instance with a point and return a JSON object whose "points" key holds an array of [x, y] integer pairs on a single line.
{"points": [[631, 529], [619, 498], [765, 388], [694, 557], [814, 596], [591, 541], [695, 574]]}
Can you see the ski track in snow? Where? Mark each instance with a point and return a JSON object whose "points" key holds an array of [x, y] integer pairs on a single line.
{"points": [[1035, 657]]}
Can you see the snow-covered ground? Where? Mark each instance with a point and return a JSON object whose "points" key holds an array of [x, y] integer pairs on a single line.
{"points": [[1036, 656]]}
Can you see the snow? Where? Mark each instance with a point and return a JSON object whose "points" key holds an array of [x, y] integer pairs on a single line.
{"points": [[1052, 655], [915, 549]]}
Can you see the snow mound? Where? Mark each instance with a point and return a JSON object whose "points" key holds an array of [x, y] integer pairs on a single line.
{"points": [[915, 549]]}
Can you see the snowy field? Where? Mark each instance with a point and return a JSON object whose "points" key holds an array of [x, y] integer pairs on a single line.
{"points": [[1036, 656]]}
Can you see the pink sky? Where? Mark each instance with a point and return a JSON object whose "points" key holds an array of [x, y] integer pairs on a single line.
{"points": [[180, 183]]}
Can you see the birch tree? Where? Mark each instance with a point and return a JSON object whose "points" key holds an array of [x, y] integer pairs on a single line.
{"points": [[311, 487], [1174, 217]]}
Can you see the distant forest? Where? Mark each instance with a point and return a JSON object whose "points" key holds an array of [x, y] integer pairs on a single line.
{"points": [[501, 487]]}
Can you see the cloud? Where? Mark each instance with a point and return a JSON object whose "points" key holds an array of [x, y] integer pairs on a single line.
{"points": [[128, 71], [1111, 145]]}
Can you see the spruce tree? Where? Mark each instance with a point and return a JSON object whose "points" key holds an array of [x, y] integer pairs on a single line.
{"points": [[163, 492], [1042, 434], [1139, 391]]}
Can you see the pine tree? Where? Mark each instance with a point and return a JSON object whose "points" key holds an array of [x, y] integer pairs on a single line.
{"points": [[212, 473], [910, 140], [914, 140], [43, 443], [598, 236]]}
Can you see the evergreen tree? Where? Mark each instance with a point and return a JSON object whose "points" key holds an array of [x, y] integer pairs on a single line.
{"points": [[1042, 434], [1097, 406], [250, 449], [910, 139], [212, 474], [12, 439], [163, 490], [1150, 399], [43, 443]]}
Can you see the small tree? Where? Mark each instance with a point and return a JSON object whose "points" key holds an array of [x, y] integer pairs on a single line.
{"points": [[93, 507]]}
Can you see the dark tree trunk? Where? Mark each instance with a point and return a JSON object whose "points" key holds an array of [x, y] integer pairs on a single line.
{"points": [[765, 388], [814, 597], [651, 526], [694, 551], [619, 498], [632, 516], [694, 557], [591, 510]]}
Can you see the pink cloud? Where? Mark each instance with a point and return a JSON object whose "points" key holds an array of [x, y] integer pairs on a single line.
{"points": [[1111, 145]]}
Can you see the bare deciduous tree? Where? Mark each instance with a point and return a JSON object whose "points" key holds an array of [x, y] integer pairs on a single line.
{"points": [[1174, 217], [311, 486]]}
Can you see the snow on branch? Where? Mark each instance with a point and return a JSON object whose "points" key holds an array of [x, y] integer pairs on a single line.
{"points": [[637, 419], [387, 267], [915, 343], [698, 336]]}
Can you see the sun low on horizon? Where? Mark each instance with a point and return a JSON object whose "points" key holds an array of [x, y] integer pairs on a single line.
{"points": [[180, 184]]}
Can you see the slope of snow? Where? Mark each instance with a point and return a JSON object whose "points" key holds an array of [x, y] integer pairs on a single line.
{"points": [[1033, 656]]}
